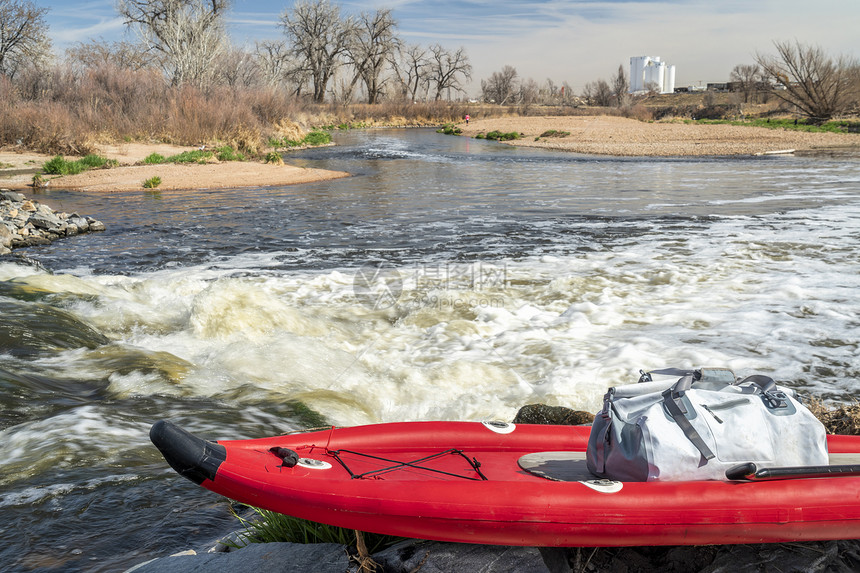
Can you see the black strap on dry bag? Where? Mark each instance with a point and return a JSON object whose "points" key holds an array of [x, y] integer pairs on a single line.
{"points": [[672, 400]]}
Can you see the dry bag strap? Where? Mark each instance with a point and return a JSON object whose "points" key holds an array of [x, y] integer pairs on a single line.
{"points": [[601, 444], [672, 400]]}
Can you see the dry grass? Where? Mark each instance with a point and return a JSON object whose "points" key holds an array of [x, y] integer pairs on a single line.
{"points": [[843, 419], [71, 113]]}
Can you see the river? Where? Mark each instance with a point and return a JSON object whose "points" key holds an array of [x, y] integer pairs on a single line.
{"points": [[447, 279]]}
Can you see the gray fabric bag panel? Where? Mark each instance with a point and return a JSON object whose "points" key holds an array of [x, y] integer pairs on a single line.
{"points": [[696, 430]]}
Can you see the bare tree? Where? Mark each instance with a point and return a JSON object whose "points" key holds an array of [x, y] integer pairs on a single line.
{"points": [[278, 67], [237, 68], [819, 86], [23, 36], [549, 92], [95, 54], [188, 34], [501, 86], [747, 77], [319, 37], [598, 93], [371, 48], [446, 68], [621, 87], [410, 66], [529, 92]]}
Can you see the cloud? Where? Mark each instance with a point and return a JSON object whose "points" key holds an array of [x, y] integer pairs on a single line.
{"points": [[581, 41], [72, 22], [577, 41], [103, 28]]}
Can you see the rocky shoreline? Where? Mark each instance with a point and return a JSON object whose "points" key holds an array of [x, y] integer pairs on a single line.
{"points": [[27, 222], [414, 555]]}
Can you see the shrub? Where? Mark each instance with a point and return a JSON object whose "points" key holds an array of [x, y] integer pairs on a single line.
{"points": [[227, 153], [153, 159], [499, 136], [58, 165], [93, 161], [317, 138], [152, 182], [194, 156], [450, 129], [554, 133], [274, 157]]}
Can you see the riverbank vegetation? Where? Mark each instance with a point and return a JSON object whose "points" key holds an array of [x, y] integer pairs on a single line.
{"points": [[835, 126], [268, 526], [223, 153], [183, 81], [59, 165]]}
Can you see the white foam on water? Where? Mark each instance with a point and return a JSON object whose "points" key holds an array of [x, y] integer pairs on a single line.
{"points": [[775, 295], [79, 436], [34, 495]]}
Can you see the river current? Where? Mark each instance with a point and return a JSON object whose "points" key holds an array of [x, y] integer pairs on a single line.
{"points": [[448, 279]]}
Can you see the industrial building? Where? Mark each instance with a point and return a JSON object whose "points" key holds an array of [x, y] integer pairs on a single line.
{"points": [[649, 72]]}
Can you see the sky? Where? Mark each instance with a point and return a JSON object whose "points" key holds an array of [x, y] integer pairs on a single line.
{"points": [[573, 41]]}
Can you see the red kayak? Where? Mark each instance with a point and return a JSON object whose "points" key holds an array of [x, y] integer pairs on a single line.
{"points": [[505, 484]]}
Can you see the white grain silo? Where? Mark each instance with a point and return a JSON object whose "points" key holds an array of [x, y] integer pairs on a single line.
{"points": [[654, 73], [669, 80], [648, 72], [637, 73]]}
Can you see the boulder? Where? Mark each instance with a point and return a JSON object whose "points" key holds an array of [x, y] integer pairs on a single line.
{"points": [[554, 415], [12, 196], [80, 223], [26, 223], [437, 557], [5, 236], [49, 222]]}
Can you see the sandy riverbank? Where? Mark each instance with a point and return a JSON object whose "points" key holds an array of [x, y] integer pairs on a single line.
{"points": [[606, 135], [597, 135], [17, 169]]}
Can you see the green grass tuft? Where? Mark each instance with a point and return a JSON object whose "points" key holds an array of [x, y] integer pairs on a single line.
{"points": [[317, 138], [274, 157], [834, 126], [153, 159], [227, 153], [272, 527], [450, 129], [499, 136], [58, 165], [314, 138], [195, 156], [152, 182], [554, 133]]}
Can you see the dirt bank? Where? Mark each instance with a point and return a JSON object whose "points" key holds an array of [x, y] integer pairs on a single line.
{"points": [[606, 135], [17, 169]]}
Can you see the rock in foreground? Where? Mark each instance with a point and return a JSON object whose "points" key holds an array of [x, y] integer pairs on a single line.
{"points": [[26, 222], [411, 555]]}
